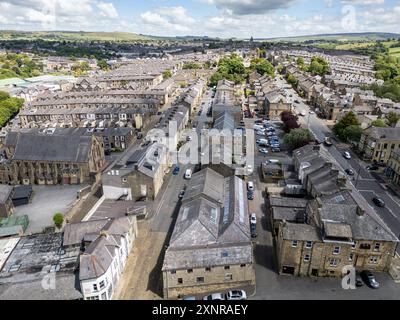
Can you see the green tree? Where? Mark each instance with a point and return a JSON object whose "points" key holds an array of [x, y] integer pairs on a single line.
{"points": [[319, 66], [392, 118], [262, 66], [353, 133], [191, 65], [58, 219], [102, 64], [301, 63], [292, 80], [298, 138], [379, 123], [167, 74], [350, 119]]}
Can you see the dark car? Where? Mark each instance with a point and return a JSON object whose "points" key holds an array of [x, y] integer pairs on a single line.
{"points": [[176, 171], [253, 229], [349, 172], [250, 195], [182, 193], [373, 168], [370, 279], [276, 149], [359, 282], [379, 202]]}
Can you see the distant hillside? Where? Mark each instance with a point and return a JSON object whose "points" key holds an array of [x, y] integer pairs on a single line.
{"points": [[71, 36], [88, 36], [343, 37]]}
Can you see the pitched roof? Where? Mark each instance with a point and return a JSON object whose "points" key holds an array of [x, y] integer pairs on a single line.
{"points": [[213, 217], [47, 147]]}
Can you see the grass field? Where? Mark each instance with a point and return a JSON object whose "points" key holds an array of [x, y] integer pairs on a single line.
{"points": [[395, 52]]}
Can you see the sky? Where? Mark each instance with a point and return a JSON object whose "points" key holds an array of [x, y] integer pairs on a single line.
{"points": [[214, 18]]}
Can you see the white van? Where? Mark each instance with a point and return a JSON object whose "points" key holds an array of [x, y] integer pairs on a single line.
{"points": [[188, 174], [250, 186]]}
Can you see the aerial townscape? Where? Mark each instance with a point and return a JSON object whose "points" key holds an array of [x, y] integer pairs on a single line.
{"points": [[256, 166]]}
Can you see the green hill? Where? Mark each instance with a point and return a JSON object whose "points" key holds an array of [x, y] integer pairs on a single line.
{"points": [[342, 37], [71, 36]]}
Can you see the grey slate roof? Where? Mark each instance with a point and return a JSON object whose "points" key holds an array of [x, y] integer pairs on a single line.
{"points": [[45, 147], [384, 133], [300, 232], [213, 218], [5, 192], [342, 207]]}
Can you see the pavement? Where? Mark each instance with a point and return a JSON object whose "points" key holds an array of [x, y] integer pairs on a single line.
{"points": [[45, 203]]}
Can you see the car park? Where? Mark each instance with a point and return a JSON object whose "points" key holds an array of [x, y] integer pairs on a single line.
{"points": [[379, 202], [215, 297], [236, 295], [370, 279]]}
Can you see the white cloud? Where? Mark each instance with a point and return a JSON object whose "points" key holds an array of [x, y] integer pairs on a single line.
{"points": [[107, 10]]}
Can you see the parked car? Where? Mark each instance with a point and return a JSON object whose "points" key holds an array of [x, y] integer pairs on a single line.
{"points": [[276, 149], [214, 297], [359, 282], [379, 202], [176, 170], [188, 174], [372, 168], [236, 295], [250, 186], [263, 151], [253, 230], [370, 279], [349, 172], [189, 298], [189, 138], [253, 218], [347, 155], [250, 195]]}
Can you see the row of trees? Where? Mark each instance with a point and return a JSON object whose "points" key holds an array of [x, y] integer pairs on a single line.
{"points": [[295, 137], [9, 107], [18, 65]]}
